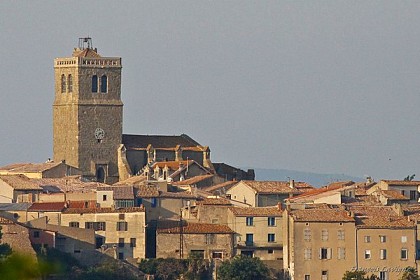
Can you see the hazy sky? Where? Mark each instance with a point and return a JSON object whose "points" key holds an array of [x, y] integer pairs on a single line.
{"points": [[319, 86]]}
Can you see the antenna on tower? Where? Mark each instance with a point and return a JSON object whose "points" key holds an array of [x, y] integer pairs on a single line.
{"points": [[85, 43]]}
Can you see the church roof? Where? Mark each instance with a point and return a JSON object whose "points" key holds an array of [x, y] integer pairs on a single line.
{"points": [[85, 53], [157, 141]]}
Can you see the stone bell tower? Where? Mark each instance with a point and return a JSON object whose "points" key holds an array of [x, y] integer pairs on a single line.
{"points": [[88, 112]]}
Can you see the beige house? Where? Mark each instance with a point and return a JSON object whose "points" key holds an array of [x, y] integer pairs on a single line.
{"points": [[258, 231], [40, 170], [386, 240], [409, 189], [115, 196], [319, 242], [207, 241], [120, 230], [18, 188], [262, 193]]}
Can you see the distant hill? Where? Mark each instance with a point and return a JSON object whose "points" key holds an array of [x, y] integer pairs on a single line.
{"points": [[315, 179]]}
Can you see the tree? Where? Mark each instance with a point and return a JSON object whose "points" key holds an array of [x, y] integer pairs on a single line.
{"points": [[242, 268], [410, 273], [410, 178]]}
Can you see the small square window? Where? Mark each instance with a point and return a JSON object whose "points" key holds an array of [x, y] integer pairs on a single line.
{"points": [[132, 242], [367, 255], [104, 197], [367, 239], [271, 237], [382, 238], [249, 221], [36, 234], [270, 251], [271, 221], [121, 242], [403, 239], [121, 216], [383, 254], [404, 254]]}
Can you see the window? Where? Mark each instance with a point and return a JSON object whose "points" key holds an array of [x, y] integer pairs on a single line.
{"points": [[307, 254], [70, 83], [74, 224], [382, 238], [121, 242], [96, 225], [403, 192], [104, 198], [382, 254], [367, 239], [340, 234], [271, 221], [271, 237], [217, 255], [120, 256], [307, 277], [197, 254], [209, 238], [307, 234], [325, 253], [324, 235], [383, 275], [94, 83], [132, 242], [63, 83], [249, 221], [367, 255], [270, 251], [124, 203], [413, 195], [341, 253], [121, 216], [324, 275], [403, 239], [249, 241], [122, 226], [36, 234], [104, 84], [154, 202], [404, 254]]}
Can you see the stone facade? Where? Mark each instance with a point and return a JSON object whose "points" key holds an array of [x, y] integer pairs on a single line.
{"points": [[87, 125]]}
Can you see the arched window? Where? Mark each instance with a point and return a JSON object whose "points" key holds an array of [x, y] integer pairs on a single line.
{"points": [[95, 83], [70, 83], [104, 84], [63, 83]]}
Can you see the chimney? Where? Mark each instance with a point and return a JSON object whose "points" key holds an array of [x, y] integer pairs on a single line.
{"points": [[292, 183]]}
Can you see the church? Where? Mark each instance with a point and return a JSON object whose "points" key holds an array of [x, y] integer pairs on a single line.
{"points": [[88, 121]]}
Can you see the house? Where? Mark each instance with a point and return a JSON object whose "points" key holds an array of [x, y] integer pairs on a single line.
{"points": [[200, 240], [120, 230], [220, 189], [211, 210], [385, 240], [198, 182], [331, 194], [115, 196], [319, 242], [14, 211], [17, 236], [40, 170], [51, 210], [231, 173], [174, 171], [18, 188], [258, 232], [409, 189], [262, 193], [74, 241]]}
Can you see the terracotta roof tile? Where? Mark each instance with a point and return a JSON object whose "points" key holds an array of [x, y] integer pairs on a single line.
{"points": [[134, 180], [103, 210], [257, 211], [193, 180], [270, 187], [85, 53], [215, 201], [225, 185], [29, 167], [321, 215], [394, 195], [401, 183], [67, 184], [20, 182], [379, 217], [172, 165], [184, 194], [145, 191], [47, 206], [197, 228], [120, 192], [82, 204]]}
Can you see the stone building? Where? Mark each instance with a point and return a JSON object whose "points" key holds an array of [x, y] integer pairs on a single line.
{"points": [[87, 123], [207, 241]]}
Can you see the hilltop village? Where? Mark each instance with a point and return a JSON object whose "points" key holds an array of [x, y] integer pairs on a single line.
{"points": [[109, 195]]}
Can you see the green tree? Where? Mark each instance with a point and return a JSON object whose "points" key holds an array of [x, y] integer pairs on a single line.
{"points": [[242, 268], [410, 178], [358, 275], [410, 273]]}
